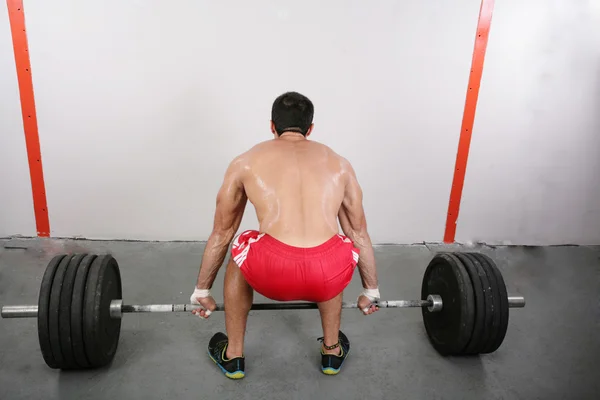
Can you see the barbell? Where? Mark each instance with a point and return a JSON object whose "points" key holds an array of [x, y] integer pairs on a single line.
{"points": [[80, 306]]}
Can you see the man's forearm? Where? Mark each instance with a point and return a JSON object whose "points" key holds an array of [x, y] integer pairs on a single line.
{"points": [[366, 261], [214, 255]]}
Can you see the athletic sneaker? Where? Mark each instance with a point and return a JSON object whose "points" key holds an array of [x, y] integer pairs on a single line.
{"points": [[217, 348], [332, 363]]}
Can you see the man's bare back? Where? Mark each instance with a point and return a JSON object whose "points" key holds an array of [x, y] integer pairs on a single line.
{"points": [[297, 188]]}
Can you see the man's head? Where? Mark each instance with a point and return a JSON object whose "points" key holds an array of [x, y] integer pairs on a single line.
{"points": [[292, 112]]}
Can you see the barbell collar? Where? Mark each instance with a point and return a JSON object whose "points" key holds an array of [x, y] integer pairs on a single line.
{"points": [[116, 309], [436, 303]]}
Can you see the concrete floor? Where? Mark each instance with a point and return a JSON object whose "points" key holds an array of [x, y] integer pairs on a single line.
{"points": [[551, 350]]}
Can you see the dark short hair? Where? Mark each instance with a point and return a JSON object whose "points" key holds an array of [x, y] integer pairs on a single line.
{"points": [[292, 112]]}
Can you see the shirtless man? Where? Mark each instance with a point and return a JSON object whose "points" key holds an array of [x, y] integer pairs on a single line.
{"points": [[299, 189]]}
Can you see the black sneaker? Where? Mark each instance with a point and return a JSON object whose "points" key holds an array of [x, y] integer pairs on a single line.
{"points": [[217, 347], [332, 363]]}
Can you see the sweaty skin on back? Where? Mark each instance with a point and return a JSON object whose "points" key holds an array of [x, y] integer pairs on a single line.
{"points": [[297, 187]]}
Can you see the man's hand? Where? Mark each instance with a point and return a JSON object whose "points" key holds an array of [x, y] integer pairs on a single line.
{"points": [[203, 298], [366, 299]]}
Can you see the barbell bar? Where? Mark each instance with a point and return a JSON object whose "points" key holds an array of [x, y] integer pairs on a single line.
{"points": [[464, 304], [117, 308], [434, 303]]}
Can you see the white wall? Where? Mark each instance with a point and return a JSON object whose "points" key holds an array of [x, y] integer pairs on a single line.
{"points": [[534, 168], [141, 104], [16, 201]]}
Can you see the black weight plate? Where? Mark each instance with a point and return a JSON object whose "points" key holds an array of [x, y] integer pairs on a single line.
{"points": [[54, 309], [64, 314], [100, 331], [77, 311], [495, 323], [485, 283], [502, 309], [479, 305], [450, 329], [43, 308]]}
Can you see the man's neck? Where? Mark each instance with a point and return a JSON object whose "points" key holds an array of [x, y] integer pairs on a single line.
{"points": [[292, 136]]}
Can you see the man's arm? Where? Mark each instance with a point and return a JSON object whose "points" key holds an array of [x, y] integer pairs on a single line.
{"points": [[231, 203], [354, 225]]}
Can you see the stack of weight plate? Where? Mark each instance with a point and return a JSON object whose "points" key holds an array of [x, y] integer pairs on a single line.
{"points": [[474, 317], [75, 329]]}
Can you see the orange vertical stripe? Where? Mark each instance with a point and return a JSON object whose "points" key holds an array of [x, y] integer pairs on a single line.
{"points": [[462, 155], [32, 140]]}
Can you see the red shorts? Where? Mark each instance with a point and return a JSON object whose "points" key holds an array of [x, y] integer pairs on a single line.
{"points": [[284, 273]]}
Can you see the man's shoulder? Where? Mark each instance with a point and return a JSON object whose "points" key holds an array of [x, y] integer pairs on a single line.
{"points": [[329, 150], [344, 163], [243, 160]]}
